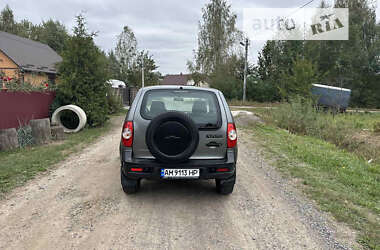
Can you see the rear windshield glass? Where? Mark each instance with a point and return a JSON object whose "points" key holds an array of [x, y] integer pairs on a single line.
{"points": [[201, 106]]}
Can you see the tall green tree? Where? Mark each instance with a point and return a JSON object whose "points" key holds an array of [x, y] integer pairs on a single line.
{"points": [[83, 75], [218, 59], [351, 64], [217, 37], [113, 66], [299, 80], [196, 75], [127, 61], [26, 29], [54, 34], [228, 77], [7, 22], [276, 60], [126, 52], [151, 77]]}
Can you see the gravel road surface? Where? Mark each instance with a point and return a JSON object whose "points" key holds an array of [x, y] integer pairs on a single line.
{"points": [[79, 204]]}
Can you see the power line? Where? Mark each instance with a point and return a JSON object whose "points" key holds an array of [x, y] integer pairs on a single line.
{"points": [[306, 4], [302, 6]]}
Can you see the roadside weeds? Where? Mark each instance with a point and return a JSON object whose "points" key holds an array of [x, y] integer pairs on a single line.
{"points": [[340, 182]]}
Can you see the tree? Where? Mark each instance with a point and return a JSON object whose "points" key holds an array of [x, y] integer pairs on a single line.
{"points": [[83, 75], [54, 34], [135, 73], [7, 22], [218, 57], [276, 60], [217, 36], [228, 77], [299, 80], [26, 29], [196, 75], [350, 64], [113, 66], [259, 90], [126, 52], [125, 63]]}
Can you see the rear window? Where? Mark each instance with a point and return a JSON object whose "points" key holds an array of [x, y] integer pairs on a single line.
{"points": [[201, 106]]}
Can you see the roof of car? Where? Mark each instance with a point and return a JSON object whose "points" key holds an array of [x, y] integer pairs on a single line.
{"points": [[179, 87]]}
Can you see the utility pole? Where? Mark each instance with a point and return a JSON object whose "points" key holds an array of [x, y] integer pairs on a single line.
{"points": [[142, 73], [245, 68]]}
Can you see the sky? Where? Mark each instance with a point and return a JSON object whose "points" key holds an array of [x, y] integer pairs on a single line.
{"points": [[166, 28]]}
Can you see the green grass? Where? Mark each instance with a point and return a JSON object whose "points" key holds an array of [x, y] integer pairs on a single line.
{"points": [[356, 132], [341, 182], [21, 165], [358, 121], [355, 120], [235, 102]]}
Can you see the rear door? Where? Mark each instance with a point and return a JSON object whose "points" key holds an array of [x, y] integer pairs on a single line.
{"points": [[204, 106]]}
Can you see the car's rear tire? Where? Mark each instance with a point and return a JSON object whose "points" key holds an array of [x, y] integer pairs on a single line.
{"points": [[225, 186], [130, 186]]}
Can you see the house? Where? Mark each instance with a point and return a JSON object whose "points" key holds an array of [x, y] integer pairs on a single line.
{"points": [[26, 60], [181, 79]]}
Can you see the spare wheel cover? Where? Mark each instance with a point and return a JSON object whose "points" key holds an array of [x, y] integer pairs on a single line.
{"points": [[172, 137]]}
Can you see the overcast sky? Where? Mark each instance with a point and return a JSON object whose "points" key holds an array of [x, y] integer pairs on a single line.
{"points": [[167, 28]]}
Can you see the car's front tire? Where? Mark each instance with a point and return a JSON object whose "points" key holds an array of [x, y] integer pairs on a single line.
{"points": [[130, 186], [225, 186]]}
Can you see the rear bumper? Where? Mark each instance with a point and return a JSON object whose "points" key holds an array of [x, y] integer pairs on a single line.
{"points": [[152, 168]]}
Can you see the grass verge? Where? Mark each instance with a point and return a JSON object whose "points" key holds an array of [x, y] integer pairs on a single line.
{"points": [[355, 132], [342, 183], [21, 165], [235, 102]]}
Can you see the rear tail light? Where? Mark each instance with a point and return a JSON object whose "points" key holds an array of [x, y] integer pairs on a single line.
{"points": [[136, 169], [222, 170], [231, 135], [127, 134]]}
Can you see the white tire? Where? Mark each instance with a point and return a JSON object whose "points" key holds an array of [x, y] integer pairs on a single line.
{"points": [[56, 118]]}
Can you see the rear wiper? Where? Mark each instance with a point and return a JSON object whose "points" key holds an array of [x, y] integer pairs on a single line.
{"points": [[208, 125]]}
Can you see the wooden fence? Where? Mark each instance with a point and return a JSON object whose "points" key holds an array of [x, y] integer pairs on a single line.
{"points": [[127, 95]]}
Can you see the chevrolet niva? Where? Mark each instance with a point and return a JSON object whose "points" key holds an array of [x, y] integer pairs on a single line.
{"points": [[178, 132]]}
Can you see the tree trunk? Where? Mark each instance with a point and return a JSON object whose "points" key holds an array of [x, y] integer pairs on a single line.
{"points": [[8, 139], [57, 132], [41, 131]]}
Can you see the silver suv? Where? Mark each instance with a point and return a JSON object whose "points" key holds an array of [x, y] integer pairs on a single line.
{"points": [[178, 132]]}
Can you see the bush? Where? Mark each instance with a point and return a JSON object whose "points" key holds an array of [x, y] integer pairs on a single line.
{"points": [[228, 84], [15, 86], [262, 91], [299, 116]]}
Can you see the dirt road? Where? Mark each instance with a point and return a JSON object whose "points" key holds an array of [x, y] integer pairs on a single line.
{"points": [[80, 205]]}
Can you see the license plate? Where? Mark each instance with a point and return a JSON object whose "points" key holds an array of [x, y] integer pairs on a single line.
{"points": [[180, 173]]}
